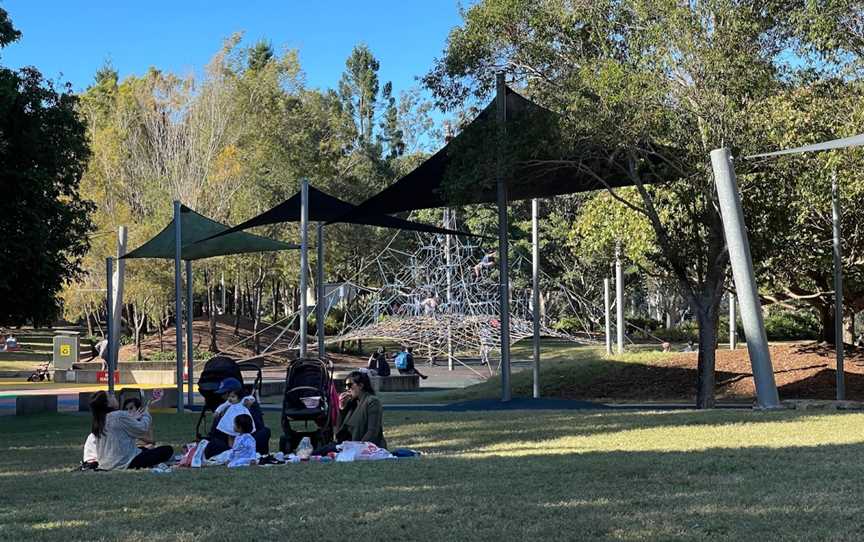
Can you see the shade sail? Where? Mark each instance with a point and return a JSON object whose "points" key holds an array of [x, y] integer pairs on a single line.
{"points": [[326, 208], [195, 227], [532, 147], [854, 141]]}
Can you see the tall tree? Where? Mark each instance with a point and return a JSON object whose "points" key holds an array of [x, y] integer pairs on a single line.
{"points": [[358, 89], [627, 73], [45, 222]]}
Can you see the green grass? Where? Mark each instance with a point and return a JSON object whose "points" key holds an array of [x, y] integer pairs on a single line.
{"points": [[717, 475], [21, 366], [563, 366]]}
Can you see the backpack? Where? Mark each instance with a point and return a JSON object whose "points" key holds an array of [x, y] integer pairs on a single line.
{"points": [[402, 360]]}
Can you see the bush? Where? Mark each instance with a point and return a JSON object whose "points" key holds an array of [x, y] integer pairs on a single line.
{"points": [[785, 325], [171, 355], [687, 331]]}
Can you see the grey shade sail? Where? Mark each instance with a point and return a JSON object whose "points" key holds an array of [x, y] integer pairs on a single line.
{"points": [[326, 208], [842, 143], [533, 148], [193, 228]]}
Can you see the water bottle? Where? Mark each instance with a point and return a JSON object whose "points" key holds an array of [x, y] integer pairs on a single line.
{"points": [[304, 449]]}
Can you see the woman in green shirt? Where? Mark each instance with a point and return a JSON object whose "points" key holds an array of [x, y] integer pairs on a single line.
{"points": [[360, 412]]}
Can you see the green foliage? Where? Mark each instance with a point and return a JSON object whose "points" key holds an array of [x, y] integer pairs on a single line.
{"points": [[171, 355], [787, 325], [45, 220]]}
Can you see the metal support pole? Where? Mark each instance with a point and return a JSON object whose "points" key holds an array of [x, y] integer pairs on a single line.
{"points": [[535, 291], [190, 317], [109, 325], [619, 300], [733, 332], [320, 294], [304, 262], [447, 261], [608, 315], [503, 264], [745, 282], [117, 284], [178, 302], [838, 287]]}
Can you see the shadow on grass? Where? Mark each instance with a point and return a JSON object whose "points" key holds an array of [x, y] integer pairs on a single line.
{"points": [[795, 493]]}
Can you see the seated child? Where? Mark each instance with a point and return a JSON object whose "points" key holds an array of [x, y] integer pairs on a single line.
{"points": [[243, 451], [222, 436]]}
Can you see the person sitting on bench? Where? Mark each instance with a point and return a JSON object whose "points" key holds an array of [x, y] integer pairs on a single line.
{"points": [[405, 363]]}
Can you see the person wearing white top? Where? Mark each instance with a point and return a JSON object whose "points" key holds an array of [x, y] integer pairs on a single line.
{"points": [[230, 409], [223, 432]]}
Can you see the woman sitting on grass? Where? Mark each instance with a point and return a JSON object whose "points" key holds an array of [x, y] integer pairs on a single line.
{"points": [[116, 433], [360, 412]]}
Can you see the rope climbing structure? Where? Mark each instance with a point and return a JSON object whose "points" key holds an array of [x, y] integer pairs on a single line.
{"points": [[443, 301]]}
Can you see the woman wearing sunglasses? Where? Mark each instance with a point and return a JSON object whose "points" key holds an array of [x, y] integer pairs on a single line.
{"points": [[360, 412]]}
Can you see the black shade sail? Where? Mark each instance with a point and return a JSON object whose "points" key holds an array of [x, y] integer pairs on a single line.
{"points": [[532, 149], [326, 208], [193, 228]]}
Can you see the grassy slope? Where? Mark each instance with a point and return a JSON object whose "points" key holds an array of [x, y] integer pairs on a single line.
{"points": [[487, 476], [563, 366]]}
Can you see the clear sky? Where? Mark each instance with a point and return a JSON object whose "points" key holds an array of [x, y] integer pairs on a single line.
{"points": [[70, 39]]}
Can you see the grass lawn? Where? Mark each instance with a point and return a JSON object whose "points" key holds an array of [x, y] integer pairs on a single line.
{"points": [[716, 475], [562, 364], [19, 366]]}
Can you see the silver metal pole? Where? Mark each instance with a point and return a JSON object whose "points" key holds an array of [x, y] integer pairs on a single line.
{"points": [[304, 262], [320, 293], [117, 284], [109, 325], [178, 302], [745, 282], [503, 264], [733, 332], [447, 261], [190, 318], [838, 287], [619, 300], [608, 315], [535, 290]]}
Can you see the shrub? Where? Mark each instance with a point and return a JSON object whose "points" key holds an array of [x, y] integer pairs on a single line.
{"points": [[784, 324]]}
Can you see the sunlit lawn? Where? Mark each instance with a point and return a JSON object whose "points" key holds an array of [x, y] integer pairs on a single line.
{"points": [[486, 476]]}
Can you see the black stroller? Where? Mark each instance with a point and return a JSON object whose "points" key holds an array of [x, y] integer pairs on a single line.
{"points": [[306, 404], [215, 371]]}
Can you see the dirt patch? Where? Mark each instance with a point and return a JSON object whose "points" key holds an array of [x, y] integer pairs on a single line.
{"points": [[801, 370]]}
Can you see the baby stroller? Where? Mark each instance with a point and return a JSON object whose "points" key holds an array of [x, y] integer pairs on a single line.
{"points": [[306, 404], [215, 371]]}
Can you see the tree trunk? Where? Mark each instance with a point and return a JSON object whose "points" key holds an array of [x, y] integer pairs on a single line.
{"points": [[161, 332], [211, 313], [237, 308], [826, 321], [138, 322], [259, 288], [89, 322], [708, 319], [276, 299]]}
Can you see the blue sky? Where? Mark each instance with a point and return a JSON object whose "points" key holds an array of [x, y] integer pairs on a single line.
{"points": [[70, 39]]}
